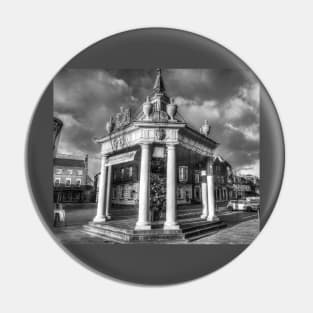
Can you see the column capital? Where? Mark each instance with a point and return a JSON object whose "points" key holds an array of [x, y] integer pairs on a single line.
{"points": [[171, 146], [145, 144]]}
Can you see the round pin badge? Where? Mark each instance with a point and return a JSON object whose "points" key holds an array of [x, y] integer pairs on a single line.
{"points": [[155, 156]]}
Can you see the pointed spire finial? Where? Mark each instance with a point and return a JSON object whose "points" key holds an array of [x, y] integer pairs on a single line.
{"points": [[159, 84]]}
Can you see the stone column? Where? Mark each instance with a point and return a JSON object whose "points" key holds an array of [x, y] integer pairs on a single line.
{"points": [[108, 193], [210, 187], [100, 217], [143, 222], [204, 195], [171, 178]]}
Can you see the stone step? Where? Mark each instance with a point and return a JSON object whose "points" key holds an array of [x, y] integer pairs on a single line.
{"points": [[199, 230], [124, 232], [121, 235]]}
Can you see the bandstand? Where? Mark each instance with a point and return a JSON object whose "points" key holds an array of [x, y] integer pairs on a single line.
{"points": [[155, 147]]}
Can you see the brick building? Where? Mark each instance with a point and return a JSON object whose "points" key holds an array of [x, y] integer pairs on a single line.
{"points": [[71, 180]]}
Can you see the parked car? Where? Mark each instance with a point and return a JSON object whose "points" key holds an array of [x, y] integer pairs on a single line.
{"points": [[249, 205], [253, 204]]}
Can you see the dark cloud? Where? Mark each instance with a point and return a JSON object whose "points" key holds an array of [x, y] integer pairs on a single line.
{"points": [[228, 99]]}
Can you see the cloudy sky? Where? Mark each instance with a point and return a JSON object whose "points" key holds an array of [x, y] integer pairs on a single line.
{"points": [[85, 99]]}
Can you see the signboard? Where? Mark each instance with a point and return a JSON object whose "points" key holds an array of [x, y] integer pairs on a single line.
{"points": [[121, 158], [242, 187]]}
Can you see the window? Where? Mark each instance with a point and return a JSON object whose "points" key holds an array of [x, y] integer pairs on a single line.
{"points": [[130, 171], [67, 182], [59, 171], [197, 192], [78, 182], [122, 192], [197, 178], [122, 172], [57, 182], [126, 192], [187, 196], [181, 193], [183, 173], [80, 172], [70, 172], [114, 175], [131, 193]]}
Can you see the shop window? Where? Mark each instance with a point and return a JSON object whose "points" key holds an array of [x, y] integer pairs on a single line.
{"points": [[131, 193], [126, 192], [67, 182], [122, 192], [114, 193]]}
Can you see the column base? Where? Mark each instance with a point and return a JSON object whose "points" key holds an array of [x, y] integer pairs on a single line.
{"points": [[108, 217], [171, 226], [142, 227], [213, 219], [204, 216], [99, 219]]}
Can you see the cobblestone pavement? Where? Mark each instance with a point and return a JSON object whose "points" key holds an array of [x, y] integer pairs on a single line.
{"points": [[75, 235], [243, 232]]}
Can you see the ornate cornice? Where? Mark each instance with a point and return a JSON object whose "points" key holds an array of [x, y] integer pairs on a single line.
{"points": [[157, 132]]}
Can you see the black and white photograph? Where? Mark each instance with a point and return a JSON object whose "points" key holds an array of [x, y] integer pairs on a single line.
{"points": [[156, 156]]}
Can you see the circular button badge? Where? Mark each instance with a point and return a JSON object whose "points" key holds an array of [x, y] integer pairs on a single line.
{"points": [[165, 159]]}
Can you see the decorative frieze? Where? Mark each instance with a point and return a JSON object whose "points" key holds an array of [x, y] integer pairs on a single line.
{"points": [[137, 134]]}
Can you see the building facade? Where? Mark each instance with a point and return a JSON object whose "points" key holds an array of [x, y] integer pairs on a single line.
{"points": [[70, 179], [254, 183], [223, 181], [155, 161], [242, 187]]}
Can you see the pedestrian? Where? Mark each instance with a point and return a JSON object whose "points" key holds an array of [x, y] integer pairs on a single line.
{"points": [[59, 215]]}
